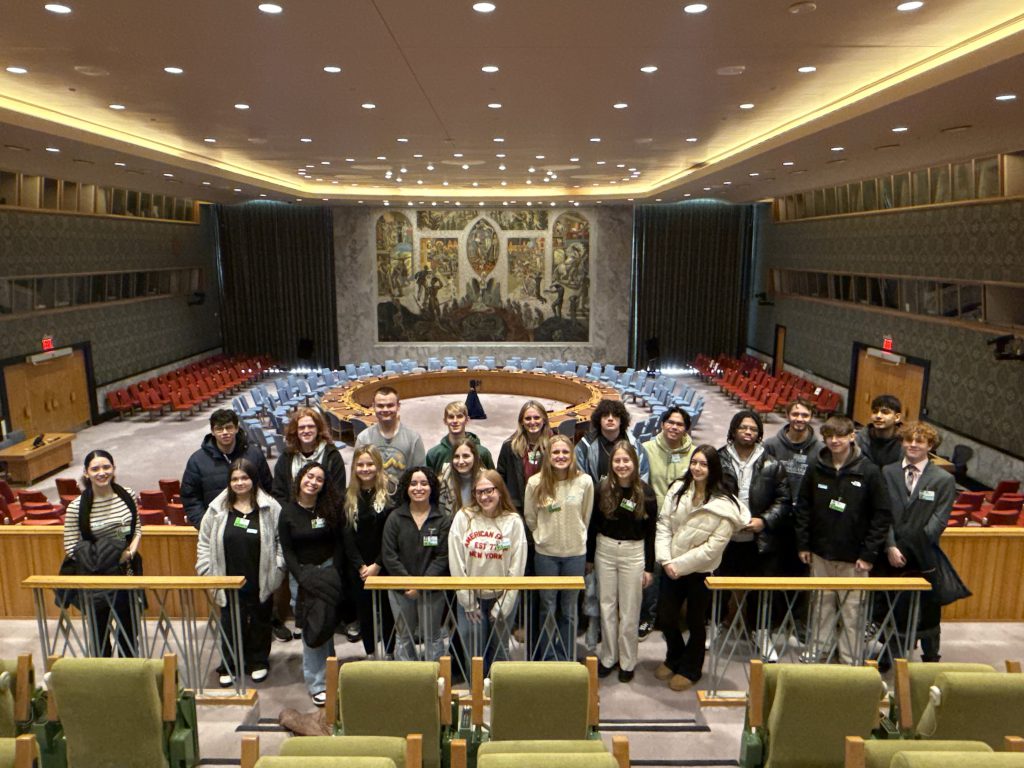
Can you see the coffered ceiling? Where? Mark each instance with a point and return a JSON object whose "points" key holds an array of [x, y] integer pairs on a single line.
{"points": [[568, 115]]}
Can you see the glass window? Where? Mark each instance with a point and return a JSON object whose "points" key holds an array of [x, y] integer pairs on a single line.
{"points": [[908, 296], [886, 293], [930, 298], [972, 303], [6, 297]]}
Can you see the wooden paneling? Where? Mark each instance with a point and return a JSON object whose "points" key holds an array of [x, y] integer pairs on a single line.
{"points": [[990, 561], [52, 396], [876, 376]]}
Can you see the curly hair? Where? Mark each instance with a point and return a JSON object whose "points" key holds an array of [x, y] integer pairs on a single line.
{"points": [[615, 408], [291, 430], [327, 504], [403, 485]]}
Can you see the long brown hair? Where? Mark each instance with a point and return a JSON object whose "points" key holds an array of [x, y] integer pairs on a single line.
{"points": [[505, 505], [610, 495], [327, 503], [246, 466], [519, 441], [546, 487], [454, 479]]}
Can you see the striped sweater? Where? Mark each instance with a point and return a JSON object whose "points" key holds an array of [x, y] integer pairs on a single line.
{"points": [[110, 518]]}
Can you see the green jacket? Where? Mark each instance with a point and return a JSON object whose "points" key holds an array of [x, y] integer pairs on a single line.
{"points": [[441, 453], [667, 465]]}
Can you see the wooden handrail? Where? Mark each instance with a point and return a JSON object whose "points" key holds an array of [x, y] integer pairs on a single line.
{"points": [[134, 582], [808, 584], [501, 583]]}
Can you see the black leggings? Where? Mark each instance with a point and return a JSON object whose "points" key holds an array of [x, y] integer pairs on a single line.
{"points": [[684, 601]]}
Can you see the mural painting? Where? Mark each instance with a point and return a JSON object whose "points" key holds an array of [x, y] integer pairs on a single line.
{"points": [[477, 283]]}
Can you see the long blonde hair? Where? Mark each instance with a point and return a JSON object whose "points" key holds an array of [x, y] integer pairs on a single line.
{"points": [[546, 487], [382, 485], [519, 442]]}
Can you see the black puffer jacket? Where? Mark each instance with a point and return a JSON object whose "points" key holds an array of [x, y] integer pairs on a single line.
{"points": [[317, 606], [770, 499], [206, 474]]}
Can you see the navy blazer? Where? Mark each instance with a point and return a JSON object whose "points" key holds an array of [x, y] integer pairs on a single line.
{"points": [[918, 519]]}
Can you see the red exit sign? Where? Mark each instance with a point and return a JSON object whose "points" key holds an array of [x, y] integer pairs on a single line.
{"points": [[47, 343], [887, 343]]}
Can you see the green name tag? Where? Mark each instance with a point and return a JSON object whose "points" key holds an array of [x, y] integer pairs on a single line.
{"points": [[241, 522], [926, 495], [554, 507], [628, 504], [430, 541], [677, 458], [837, 506], [503, 545], [319, 522]]}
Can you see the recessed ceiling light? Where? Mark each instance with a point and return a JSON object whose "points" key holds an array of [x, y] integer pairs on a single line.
{"points": [[748, 105], [119, 164], [900, 129], [456, 154], [350, 159], [1006, 97], [837, 149], [174, 70], [695, 8], [17, 70], [52, 149], [686, 194], [494, 105], [325, 162], [418, 154], [787, 162], [332, 69], [754, 173], [502, 167], [369, 105], [538, 157], [403, 169], [430, 166], [649, 69], [117, 107], [57, 8], [465, 166], [206, 183], [169, 175], [305, 140], [620, 105], [484, 7], [444, 183], [707, 189], [806, 70], [574, 159], [601, 162], [531, 169], [504, 183], [727, 183], [498, 139], [692, 139], [241, 106], [489, 69], [595, 139], [731, 70], [500, 155], [913, 5], [803, 7], [272, 8], [237, 189], [382, 157], [210, 140]]}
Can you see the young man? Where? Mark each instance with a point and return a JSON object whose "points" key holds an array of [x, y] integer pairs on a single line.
{"points": [[668, 452], [921, 496], [842, 517], [609, 423], [879, 441], [456, 417], [400, 447], [206, 473], [795, 445]]}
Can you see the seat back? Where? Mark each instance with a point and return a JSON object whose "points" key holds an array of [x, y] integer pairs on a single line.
{"points": [[879, 753], [945, 759], [392, 698], [539, 701], [171, 487], [975, 705], [110, 711], [912, 685], [810, 709], [152, 500], [389, 748]]}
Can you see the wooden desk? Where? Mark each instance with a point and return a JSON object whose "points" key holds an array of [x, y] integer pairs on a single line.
{"points": [[26, 464]]}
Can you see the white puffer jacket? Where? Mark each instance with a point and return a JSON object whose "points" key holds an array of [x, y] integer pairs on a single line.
{"points": [[693, 536]]}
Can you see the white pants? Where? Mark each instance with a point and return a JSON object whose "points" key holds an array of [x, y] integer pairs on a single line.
{"points": [[619, 566], [825, 605]]}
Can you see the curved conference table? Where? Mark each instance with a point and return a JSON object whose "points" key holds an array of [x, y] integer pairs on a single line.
{"points": [[355, 400]]}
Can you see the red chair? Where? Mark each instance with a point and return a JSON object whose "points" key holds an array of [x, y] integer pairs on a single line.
{"points": [[1004, 486], [152, 517], [176, 514], [38, 511], [67, 490], [171, 488], [9, 516], [957, 519], [148, 405], [37, 500], [122, 409], [153, 501], [970, 499], [1008, 517]]}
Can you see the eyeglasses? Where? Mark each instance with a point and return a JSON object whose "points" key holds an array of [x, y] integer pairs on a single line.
{"points": [[485, 491]]}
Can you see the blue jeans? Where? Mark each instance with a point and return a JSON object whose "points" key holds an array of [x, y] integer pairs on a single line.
{"points": [[488, 637], [314, 660], [417, 615], [558, 608]]}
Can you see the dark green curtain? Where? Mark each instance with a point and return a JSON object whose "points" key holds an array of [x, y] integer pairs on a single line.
{"points": [[277, 282], [691, 279]]}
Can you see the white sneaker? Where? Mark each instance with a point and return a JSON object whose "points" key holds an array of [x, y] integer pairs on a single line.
{"points": [[259, 675], [320, 699], [226, 681], [764, 647]]}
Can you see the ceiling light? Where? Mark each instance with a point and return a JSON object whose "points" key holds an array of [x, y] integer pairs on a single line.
{"points": [[620, 105], [687, 194], [271, 8], [601, 162], [174, 70], [489, 69], [57, 8], [529, 181], [52, 149], [539, 157], [494, 105], [787, 162], [403, 169], [806, 70], [206, 183], [695, 8], [305, 140], [502, 167], [913, 5], [116, 106], [241, 106], [325, 162], [119, 164], [707, 189], [755, 173], [803, 7], [465, 166], [595, 139], [748, 105], [444, 183], [419, 181], [210, 140], [369, 105], [477, 184], [17, 70], [418, 154], [332, 69], [1006, 97], [574, 159], [484, 7], [504, 183], [497, 140], [382, 157], [837, 149], [900, 129], [169, 175], [456, 154], [531, 169], [430, 166], [350, 159], [727, 183], [731, 70], [649, 69], [237, 189], [692, 139], [402, 140]]}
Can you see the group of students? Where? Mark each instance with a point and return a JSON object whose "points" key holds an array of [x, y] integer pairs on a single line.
{"points": [[644, 524]]}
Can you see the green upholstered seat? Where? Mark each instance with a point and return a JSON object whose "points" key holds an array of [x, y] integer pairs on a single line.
{"points": [[958, 760], [811, 709], [8, 672], [539, 700], [6, 753], [391, 748], [551, 746], [975, 705], [547, 760], [392, 698], [922, 677], [879, 753], [110, 711], [324, 762]]}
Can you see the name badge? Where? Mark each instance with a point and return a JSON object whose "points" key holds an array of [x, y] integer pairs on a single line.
{"points": [[250, 530], [926, 495], [822, 487], [430, 541], [126, 530], [855, 483], [677, 458], [836, 505], [628, 504], [554, 507], [501, 546], [319, 522], [241, 522]]}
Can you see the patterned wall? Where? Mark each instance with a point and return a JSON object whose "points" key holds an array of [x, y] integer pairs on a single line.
{"points": [[969, 392], [126, 338], [611, 237]]}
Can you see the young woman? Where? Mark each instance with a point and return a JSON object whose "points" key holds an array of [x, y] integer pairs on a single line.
{"points": [[106, 517], [311, 543], [698, 517], [307, 438], [487, 538], [416, 544], [520, 455], [459, 476], [620, 549], [368, 503], [238, 537], [559, 502]]}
